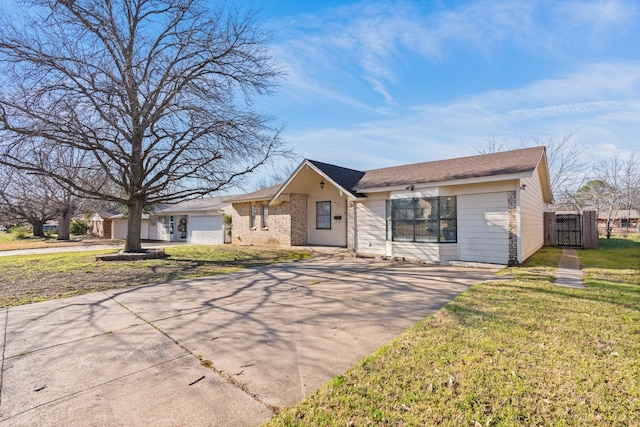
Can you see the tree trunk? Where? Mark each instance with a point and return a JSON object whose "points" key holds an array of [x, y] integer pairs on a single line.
{"points": [[133, 243], [37, 226], [64, 225]]}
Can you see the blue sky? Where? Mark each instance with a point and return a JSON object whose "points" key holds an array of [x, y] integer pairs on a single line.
{"points": [[380, 83]]}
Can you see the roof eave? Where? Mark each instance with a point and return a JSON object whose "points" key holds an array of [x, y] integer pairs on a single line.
{"points": [[466, 181]]}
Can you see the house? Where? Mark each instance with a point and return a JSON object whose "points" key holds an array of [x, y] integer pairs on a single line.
{"points": [[192, 221], [485, 208], [621, 220], [112, 224], [100, 223]]}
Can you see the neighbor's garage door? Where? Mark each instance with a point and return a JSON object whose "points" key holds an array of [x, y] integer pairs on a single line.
{"points": [[206, 230], [483, 232]]}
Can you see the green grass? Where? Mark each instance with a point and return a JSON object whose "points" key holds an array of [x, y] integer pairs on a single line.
{"points": [[521, 352], [33, 278]]}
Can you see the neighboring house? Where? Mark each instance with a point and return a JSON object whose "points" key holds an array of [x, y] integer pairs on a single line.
{"points": [[111, 224], [486, 208], [191, 221], [625, 219], [100, 223]]}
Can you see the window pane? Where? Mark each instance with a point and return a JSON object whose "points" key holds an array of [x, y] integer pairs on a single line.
{"points": [[448, 207], [426, 209], [252, 216], [402, 209], [427, 230], [323, 215], [402, 230], [448, 230], [265, 216]]}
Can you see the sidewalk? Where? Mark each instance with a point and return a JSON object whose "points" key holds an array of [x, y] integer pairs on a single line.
{"points": [[80, 248], [569, 273]]}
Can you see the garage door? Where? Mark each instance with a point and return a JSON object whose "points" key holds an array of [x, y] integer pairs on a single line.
{"points": [[483, 228], [206, 230]]}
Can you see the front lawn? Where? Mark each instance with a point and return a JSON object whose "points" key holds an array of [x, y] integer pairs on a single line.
{"points": [[515, 352], [31, 278]]}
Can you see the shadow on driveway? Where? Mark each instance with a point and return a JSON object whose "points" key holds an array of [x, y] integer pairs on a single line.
{"points": [[223, 350]]}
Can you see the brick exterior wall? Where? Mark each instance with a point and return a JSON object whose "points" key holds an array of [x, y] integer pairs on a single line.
{"points": [[513, 228], [351, 226], [277, 234], [299, 219]]}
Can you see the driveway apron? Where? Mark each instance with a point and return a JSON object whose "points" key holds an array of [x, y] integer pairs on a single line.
{"points": [[222, 350]]}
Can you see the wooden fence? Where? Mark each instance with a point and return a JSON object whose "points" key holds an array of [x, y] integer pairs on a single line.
{"points": [[577, 230]]}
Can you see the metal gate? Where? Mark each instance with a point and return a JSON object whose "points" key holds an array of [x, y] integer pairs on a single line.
{"points": [[569, 230]]}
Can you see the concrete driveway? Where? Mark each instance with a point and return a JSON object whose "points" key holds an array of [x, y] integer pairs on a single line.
{"points": [[223, 350]]}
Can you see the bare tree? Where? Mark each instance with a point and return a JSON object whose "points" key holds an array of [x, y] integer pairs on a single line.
{"points": [[23, 198], [74, 166], [622, 176], [158, 92], [278, 176], [564, 157]]}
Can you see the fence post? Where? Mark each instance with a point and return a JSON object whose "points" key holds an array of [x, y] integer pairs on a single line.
{"points": [[590, 230], [550, 229]]}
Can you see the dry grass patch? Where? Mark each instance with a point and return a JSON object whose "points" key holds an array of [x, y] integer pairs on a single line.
{"points": [[32, 278]]}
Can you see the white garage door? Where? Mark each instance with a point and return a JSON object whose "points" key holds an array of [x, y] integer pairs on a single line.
{"points": [[206, 230], [483, 228]]}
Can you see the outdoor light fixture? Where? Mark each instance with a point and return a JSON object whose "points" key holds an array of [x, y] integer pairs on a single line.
{"points": [[523, 187], [322, 184], [410, 188]]}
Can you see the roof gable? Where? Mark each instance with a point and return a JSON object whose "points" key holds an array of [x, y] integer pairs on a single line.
{"points": [[345, 178]]}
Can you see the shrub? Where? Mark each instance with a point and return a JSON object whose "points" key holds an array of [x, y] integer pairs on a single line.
{"points": [[79, 227], [21, 234]]}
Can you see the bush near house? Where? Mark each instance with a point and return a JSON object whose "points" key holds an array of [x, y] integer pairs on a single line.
{"points": [[79, 227], [515, 352]]}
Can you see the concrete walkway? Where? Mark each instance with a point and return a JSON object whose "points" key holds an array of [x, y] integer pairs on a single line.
{"points": [[226, 350], [569, 273]]}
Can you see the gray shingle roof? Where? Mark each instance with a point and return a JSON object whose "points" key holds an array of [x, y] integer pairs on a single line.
{"points": [[203, 204], [484, 165], [264, 194], [344, 177], [357, 182]]}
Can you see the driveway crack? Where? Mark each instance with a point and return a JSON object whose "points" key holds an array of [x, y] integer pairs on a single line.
{"points": [[203, 362]]}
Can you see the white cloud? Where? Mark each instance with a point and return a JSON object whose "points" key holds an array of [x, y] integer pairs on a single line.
{"points": [[453, 129]]}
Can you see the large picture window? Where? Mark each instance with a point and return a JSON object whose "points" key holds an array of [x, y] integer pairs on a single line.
{"points": [[432, 219], [323, 215]]}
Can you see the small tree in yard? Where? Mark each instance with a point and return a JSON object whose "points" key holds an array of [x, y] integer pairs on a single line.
{"points": [[157, 92]]}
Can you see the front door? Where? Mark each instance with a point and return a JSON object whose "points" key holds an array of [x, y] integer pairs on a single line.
{"points": [[181, 229]]}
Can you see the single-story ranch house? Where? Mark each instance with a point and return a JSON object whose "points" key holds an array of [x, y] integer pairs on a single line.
{"points": [[485, 208], [192, 221]]}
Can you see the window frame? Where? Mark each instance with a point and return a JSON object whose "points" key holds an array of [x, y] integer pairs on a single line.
{"points": [[437, 215], [326, 217]]}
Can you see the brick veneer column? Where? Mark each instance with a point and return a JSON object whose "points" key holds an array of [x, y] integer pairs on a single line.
{"points": [[351, 226], [299, 215]]}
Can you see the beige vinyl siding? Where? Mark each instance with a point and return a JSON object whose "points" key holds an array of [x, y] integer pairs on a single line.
{"points": [[371, 227], [428, 252], [483, 234], [448, 251], [531, 227]]}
